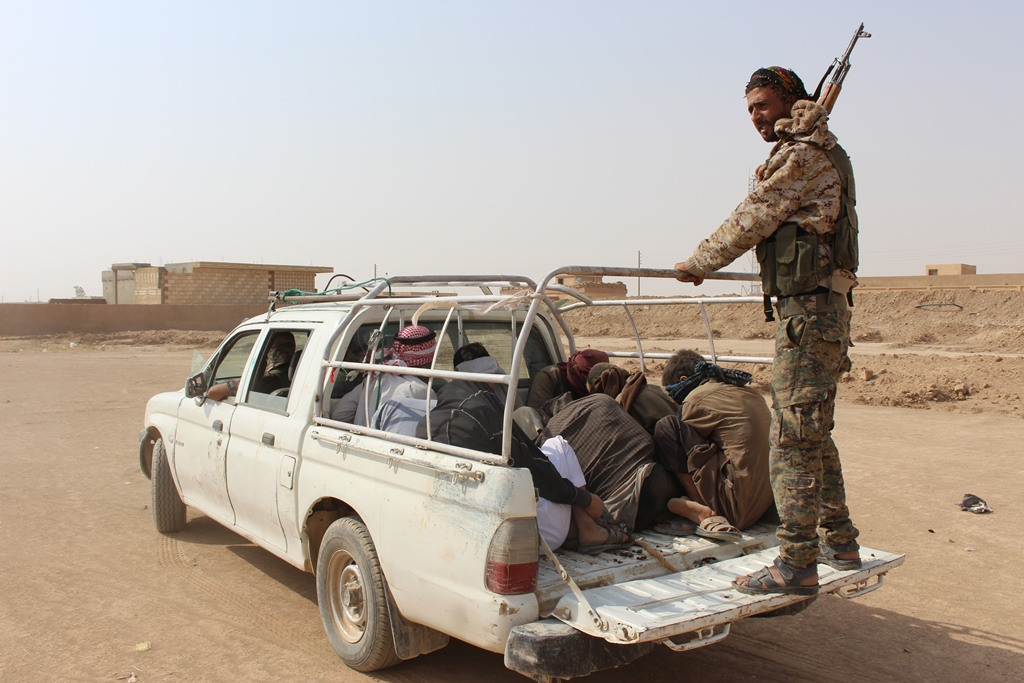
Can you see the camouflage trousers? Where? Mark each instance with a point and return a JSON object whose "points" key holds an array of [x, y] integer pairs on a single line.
{"points": [[807, 479]]}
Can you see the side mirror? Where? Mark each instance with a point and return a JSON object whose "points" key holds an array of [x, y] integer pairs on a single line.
{"points": [[195, 386]]}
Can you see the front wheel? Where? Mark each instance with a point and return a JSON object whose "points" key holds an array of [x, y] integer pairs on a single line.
{"points": [[168, 510], [351, 590]]}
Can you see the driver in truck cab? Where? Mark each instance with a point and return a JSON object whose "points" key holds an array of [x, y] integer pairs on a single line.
{"points": [[274, 377]]}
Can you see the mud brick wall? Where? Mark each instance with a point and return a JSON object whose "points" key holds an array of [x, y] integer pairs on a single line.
{"points": [[284, 280], [993, 281], [25, 320], [217, 286]]}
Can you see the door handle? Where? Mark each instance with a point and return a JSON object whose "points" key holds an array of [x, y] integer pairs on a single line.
{"points": [[268, 438], [218, 426]]}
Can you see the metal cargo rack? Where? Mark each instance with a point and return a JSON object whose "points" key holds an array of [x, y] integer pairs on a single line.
{"points": [[526, 297]]}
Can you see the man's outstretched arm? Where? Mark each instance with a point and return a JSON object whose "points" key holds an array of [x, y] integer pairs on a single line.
{"points": [[758, 216]]}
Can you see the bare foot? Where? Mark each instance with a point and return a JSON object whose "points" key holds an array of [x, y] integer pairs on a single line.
{"points": [[589, 532], [690, 509]]}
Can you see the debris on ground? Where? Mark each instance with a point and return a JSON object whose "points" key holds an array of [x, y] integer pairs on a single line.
{"points": [[972, 503]]}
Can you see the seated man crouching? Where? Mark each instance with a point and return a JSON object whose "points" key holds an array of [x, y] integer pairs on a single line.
{"points": [[470, 414], [717, 447]]}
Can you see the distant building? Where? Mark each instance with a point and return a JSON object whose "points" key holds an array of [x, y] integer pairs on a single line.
{"points": [[592, 286], [204, 282], [951, 269]]}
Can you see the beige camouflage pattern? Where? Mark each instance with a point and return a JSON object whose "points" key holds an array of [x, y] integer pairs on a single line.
{"points": [[800, 184]]}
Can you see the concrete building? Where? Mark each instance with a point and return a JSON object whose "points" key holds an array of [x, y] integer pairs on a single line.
{"points": [[950, 276], [951, 269], [204, 282], [592, 286]]}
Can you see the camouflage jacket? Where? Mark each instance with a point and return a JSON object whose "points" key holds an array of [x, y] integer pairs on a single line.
{"points": [[800, 184]]}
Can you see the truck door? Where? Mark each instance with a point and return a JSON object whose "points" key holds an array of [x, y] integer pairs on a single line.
{"points": [[263, 450], [202, 435]]}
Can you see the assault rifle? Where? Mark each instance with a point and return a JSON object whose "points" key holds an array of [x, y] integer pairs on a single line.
{"points": [[841, 66]]}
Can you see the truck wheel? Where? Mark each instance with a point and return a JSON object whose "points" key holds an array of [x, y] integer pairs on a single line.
{"points": [[168, 510], [351, 590]]}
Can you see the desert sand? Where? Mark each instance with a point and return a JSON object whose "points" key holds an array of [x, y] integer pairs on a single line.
{"points": [[90, 591]]}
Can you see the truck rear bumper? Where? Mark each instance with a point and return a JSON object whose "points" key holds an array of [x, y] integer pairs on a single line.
{"points": [[553, 648]]}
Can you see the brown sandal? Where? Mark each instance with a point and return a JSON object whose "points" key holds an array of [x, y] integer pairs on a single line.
{"points": [[618, 539], [762, 582], [718, 528], [827, 555]]}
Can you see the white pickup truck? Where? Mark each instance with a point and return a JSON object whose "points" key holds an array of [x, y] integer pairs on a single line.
{"points": [[412, 541]]}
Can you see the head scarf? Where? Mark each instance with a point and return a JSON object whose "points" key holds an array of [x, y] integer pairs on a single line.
{"points": [[414, 346], [784, 82], [577, 368], [605, 378], [282, 348], [704, 370]]}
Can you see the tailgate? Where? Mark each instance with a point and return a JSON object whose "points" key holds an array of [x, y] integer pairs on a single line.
{"points": [[698, 600]]}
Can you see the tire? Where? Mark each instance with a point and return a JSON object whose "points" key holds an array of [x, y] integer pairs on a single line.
{"points": [[168, 510], [352, 593]]}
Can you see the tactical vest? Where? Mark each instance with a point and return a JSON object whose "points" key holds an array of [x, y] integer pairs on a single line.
{"points": [[789, 258]]}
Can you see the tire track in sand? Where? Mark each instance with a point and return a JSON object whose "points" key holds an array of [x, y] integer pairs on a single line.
{"points": [[241, 602]]}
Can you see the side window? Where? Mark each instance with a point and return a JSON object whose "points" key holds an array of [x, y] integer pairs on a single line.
{"points": [[231, 361], [356, 352], [497, 339], [275, 367]]}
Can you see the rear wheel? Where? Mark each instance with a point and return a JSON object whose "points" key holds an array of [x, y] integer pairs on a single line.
{"points": [[168, 510], [352, 593]]}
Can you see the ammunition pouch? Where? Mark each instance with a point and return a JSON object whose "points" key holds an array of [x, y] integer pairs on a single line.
{"points": [[789, 257], [789, 261]]}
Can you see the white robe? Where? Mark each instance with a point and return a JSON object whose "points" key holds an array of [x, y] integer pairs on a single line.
{"points": [[358, 406], [553, 518]]}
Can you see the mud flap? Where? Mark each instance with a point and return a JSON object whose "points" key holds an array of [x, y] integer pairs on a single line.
{"points": [[412, 640], [555, 649]]}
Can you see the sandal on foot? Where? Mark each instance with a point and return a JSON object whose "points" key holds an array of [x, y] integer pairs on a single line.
{"points": [[827, 555], [762, 582], [718, 528], [678, 526], [618, 539]]}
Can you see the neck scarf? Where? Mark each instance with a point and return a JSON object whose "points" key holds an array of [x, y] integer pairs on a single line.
{"points": [[704, 370]]}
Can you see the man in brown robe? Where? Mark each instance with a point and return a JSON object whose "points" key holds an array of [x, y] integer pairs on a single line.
{"points": [[717, 447]]}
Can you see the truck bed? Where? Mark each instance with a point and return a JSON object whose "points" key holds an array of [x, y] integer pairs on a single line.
{"points": [[678, 585], [658, 552]]}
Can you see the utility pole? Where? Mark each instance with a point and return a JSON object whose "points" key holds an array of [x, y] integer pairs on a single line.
{"points": [[638, 277]]}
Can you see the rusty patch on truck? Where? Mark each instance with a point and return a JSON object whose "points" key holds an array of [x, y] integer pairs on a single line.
{"points": [[505, 609]]}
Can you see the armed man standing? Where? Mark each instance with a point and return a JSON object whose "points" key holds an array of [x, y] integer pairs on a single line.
{"points": [[802, 221]]}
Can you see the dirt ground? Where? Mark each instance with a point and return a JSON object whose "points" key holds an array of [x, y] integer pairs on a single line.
{"points": [[90, 592]]}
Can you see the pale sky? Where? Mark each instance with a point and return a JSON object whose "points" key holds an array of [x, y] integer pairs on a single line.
{"points": [[481, 136]]}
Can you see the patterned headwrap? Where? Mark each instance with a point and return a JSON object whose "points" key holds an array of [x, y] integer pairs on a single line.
{"points": [[577, 368], [282, 348], [704, 370], [414, 346], [784, 82]]}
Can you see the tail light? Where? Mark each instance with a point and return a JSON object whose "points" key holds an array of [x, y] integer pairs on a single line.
{"points": [[512, 557]]}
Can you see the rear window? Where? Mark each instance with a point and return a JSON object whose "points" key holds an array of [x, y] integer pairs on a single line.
{"points": [[497, 338]]}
